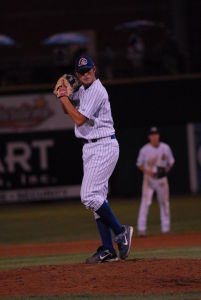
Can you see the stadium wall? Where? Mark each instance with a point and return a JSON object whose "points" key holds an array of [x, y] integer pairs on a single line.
{"points": [[41, 160]]}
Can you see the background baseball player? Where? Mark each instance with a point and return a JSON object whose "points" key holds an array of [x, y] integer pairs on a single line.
{"points": [[89, 108], [155, 160]]}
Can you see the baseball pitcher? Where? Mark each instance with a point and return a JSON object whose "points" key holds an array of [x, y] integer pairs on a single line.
{"points": [[86, 101], [155, 160]]}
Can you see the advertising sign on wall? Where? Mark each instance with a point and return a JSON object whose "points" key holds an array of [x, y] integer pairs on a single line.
{"points": [[37, 146]]}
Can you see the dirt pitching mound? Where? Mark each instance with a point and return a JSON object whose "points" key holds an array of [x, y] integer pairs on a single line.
{"points": [[145, 276]]}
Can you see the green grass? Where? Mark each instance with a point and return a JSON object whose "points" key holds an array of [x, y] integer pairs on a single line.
{"points": [[178, 296], [67, 221], [60, 259]]}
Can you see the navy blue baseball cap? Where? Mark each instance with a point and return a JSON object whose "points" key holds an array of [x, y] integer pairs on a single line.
{"points": [[83, 63], [153, 130]]}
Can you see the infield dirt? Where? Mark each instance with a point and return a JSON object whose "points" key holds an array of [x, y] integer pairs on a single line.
{"points": [[147, 276]]}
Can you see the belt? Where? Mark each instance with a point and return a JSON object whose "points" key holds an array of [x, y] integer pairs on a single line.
{"points": [[113, 137]]}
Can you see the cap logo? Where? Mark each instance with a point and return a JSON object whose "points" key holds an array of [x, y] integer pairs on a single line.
{"points": [[82, 62]]}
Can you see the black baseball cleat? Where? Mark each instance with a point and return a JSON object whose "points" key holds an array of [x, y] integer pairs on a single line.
{"points": [[102, 255], [123, 241]]}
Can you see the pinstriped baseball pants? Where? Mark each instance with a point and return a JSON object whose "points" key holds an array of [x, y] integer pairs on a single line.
{"points": [[99, 161]]}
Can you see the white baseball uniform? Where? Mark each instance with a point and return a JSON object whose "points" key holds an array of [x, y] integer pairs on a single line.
{"points": [[150, 158], [99, 157]]}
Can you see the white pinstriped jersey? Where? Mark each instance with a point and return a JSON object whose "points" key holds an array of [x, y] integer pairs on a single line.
{"points": [[94, 104], [152, 157]]}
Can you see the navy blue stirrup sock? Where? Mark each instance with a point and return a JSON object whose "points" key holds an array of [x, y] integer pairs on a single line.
{"points": [[105, 234], [109, 218]]}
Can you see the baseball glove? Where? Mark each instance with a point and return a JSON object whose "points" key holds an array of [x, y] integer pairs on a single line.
{"points": [[66, 85], [161, 172]]}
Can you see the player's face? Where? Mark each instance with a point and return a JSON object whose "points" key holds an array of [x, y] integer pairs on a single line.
{"points": [[154, 139], [88, 77]]}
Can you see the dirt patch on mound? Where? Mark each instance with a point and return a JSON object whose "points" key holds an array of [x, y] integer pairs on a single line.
{"points": [[151, 242], [129, 277]]}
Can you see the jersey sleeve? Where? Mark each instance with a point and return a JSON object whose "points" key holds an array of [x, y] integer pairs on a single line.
{"points": [[91, 103], [140, 158], [170, 156]]}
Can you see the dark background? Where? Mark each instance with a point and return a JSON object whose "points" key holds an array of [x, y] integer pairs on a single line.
{"points": [[30, 22]]}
